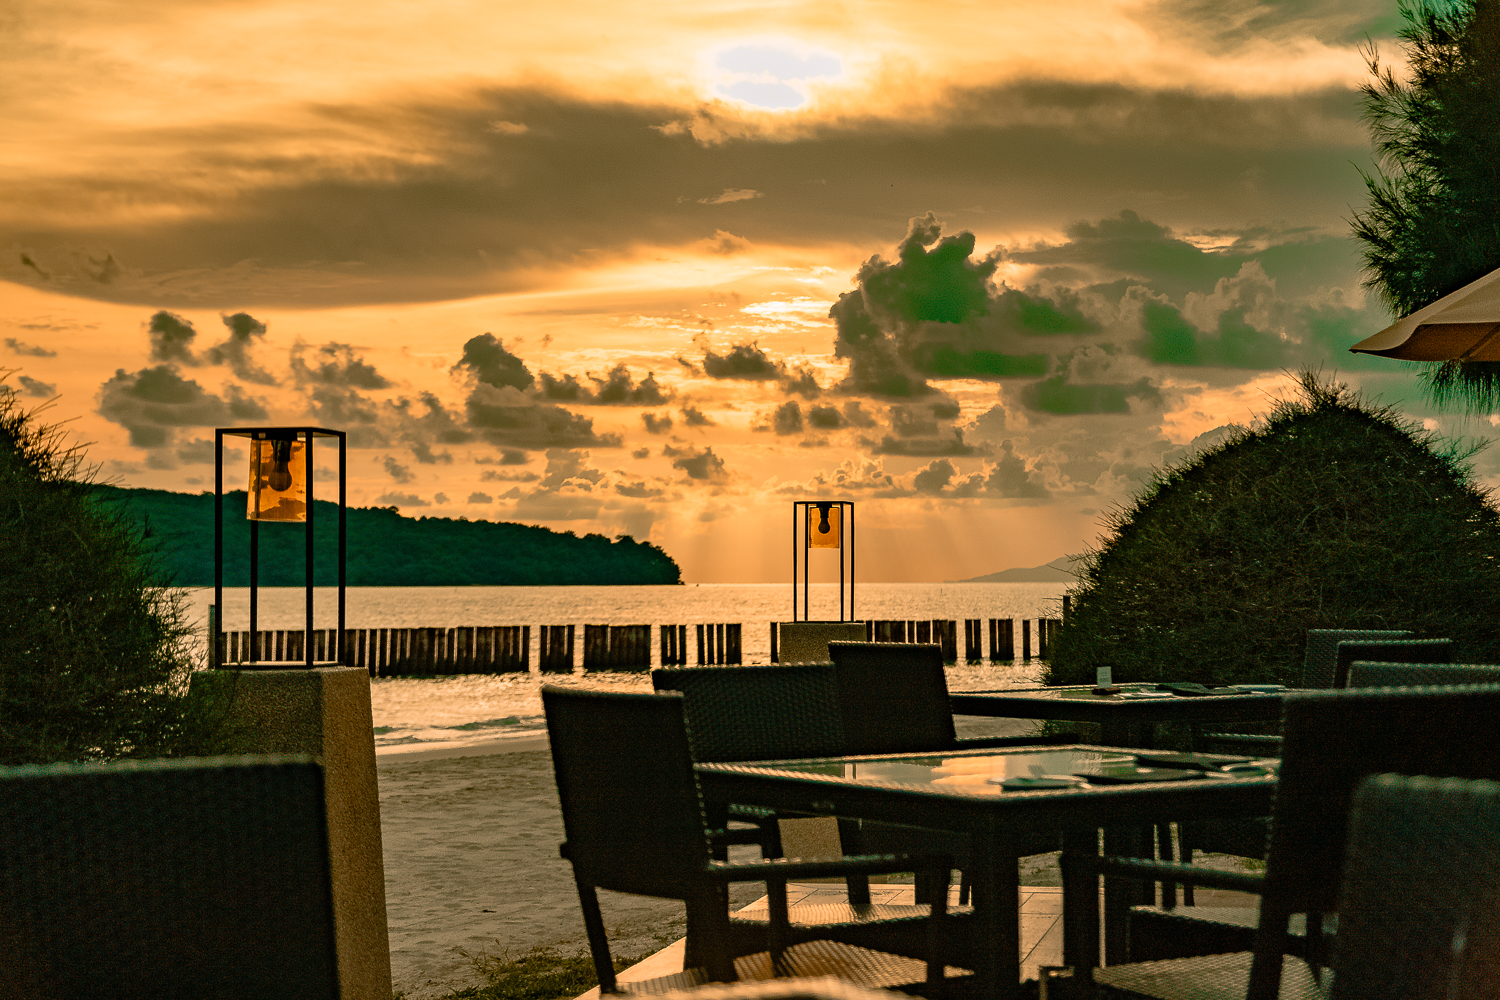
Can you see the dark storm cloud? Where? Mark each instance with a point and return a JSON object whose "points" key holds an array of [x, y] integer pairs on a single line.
{"points": [[486, 357], [657, 424], [153, 402], [477, 497], [1172, 340], [401, 500], [400, 473], [618, 389], [172, 338], [936, 313], [244, 330], [694, 417], [478, 210], [702, 465], [803, 382], [28, 350], [33, 387], [1009, 477], [507, 418], [615, 388], [336, 364], [744, 361], [747, 362], [787, 419], [1058, 395], [928, 447]]}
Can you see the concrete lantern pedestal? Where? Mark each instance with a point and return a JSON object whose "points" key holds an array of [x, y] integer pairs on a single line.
{"points": [[325, 712], [807, 642]]}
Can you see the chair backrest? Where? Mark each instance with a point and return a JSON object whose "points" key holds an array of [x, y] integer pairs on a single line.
{"points": [[631, 806], [1323, 651], [1363, 673], [205, 877], [893, 697], [1332, 740], [758, 712], [1419, 914], [1389, 651]]}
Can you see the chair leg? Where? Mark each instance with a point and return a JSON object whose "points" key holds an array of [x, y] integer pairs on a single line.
{"points": [[851, 841], [708, 942], [937, 939], [593, 924], [1185, 841], [780, 922], [1164, 852]]}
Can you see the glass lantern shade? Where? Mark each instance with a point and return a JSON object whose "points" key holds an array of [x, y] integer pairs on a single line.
{"points": [[278, 480], [825, 523]]}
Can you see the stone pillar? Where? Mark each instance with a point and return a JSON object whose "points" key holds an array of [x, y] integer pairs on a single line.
{"points": [[325, 712], [807, 642]]}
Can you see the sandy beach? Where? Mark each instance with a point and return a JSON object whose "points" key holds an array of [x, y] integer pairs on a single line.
{"points": [[470, 838]]}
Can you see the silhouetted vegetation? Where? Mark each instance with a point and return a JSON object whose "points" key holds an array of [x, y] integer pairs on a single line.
{"points": [[385, 549], [1334, 514], [93, 655], [1433, 221]]}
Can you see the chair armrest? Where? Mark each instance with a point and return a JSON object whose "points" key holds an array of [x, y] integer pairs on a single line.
{"points": [[1239, 743], [793, 868], [986, 742], [1165, 871], [738, 835]]}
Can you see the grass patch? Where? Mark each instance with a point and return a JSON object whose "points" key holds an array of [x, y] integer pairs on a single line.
{"points": [[539, 974]]}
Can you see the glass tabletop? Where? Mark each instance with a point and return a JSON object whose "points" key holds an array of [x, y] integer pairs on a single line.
{"points": [[1126, 692], [993, 773]]}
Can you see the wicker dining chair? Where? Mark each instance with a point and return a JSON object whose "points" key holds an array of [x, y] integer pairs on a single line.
{"points": [[1247, 837], [1366, 673], [204, 878], [633, 816], [1389, 651], [1333, 740], [1434, 845], [1321, 659], [893, 698]]}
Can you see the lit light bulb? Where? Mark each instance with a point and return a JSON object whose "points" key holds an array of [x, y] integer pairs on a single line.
{"points": [[280, 478]]}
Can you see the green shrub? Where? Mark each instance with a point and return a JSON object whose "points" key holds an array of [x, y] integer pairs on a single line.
{"points": [[93, 657], [1334, 514]]}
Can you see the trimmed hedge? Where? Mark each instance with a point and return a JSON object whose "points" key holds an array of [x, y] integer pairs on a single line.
{"points": [[1335, 514]]}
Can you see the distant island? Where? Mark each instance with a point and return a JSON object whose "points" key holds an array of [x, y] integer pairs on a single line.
{"points": [[384, 548], [1055, 571]]}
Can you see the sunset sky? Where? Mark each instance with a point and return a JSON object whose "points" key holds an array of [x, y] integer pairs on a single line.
{"points": [[664, 268]]}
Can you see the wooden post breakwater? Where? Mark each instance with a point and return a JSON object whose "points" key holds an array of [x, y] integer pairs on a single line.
{"points": [[507, 648], [719, 644], [485, 649], [617, 647]]}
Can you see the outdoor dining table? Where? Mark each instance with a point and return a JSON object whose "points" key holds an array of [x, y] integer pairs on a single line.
{"points": [[1128, 718], [960, 791]]}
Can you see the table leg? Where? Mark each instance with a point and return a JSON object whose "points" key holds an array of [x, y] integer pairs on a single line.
{"points": [[997, 887], [1080, 901], [1121, 894]]}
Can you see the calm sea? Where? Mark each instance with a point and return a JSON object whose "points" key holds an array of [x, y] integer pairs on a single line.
{"points": [[414, 713]]}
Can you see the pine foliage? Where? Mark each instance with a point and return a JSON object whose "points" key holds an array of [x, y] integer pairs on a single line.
{"points": [[1433, 220], [93, 657], [1334, 514]]}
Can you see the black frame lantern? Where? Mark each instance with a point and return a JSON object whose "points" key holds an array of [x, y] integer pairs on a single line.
{"points": [[281, 469], [822, 524]]}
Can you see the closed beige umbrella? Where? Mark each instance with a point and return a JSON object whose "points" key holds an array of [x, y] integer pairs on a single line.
{"points": [[1462, 325]]}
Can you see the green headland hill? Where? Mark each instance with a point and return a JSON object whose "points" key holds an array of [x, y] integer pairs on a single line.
{"points": [[385, 549]]}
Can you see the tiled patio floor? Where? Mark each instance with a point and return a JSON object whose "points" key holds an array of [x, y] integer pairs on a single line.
{"points": [[1041, 926]]}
